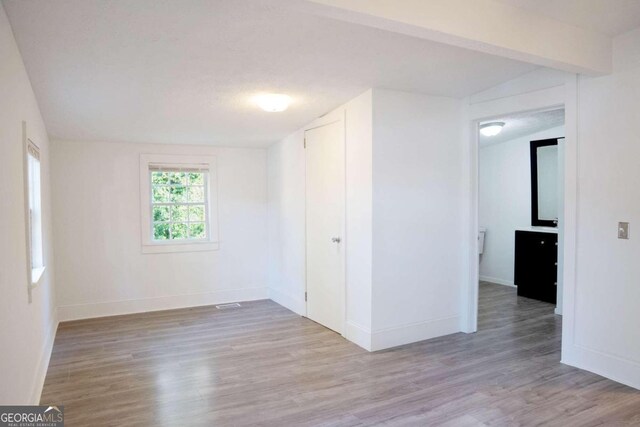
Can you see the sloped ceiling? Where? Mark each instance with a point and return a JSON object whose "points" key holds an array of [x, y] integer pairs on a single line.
{"points": [[183, 71], [518, 125]]}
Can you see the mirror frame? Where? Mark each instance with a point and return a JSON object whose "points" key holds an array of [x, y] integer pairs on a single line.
{"points": [[535, 221]]}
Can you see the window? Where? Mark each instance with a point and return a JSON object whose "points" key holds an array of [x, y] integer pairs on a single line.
{"points": [[33, 213], [178, 201], [179, 204]]}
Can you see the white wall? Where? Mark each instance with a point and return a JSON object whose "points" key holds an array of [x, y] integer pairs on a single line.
{"points": [[606, 314], [359, 218], [286, 222], [505, 201], [418, 245], [26, 330], [536, 80], [404, 195], [101, 269]]}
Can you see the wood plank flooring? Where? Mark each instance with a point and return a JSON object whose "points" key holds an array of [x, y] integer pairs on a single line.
{"points": [[263, 365]]}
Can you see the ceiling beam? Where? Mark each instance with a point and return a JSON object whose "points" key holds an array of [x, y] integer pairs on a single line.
{"points": [[481, 25]]}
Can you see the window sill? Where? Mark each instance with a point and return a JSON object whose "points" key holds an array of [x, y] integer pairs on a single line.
{"points": [[36, 276], [163, 248]]}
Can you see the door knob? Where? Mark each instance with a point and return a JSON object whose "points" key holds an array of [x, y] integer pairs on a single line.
{"points": [[335, 239]]}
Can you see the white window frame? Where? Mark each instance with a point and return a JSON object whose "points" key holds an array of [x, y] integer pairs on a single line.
{"points": [[33, 218], [178, 161]]}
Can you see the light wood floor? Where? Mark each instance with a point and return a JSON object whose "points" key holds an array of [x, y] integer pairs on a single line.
{"points": [[263, 365]]}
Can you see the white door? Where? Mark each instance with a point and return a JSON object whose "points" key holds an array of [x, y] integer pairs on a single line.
{"points": [[325, 206]]}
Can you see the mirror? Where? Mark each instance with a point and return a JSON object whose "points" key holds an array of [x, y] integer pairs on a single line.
{"points": [[544, 183]]}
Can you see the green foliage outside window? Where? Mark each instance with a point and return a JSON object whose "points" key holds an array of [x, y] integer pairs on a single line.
{"points": [[161, 232], [178, 205], [197, 230]]}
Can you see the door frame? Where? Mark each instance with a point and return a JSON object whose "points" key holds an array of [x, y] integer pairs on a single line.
{"points": [[563, 96], [332, 117]]}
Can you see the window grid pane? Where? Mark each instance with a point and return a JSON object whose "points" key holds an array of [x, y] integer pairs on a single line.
{"points": [[179, 205]]}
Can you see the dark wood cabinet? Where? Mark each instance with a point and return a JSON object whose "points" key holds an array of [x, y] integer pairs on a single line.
{"points": [[536, 265]]}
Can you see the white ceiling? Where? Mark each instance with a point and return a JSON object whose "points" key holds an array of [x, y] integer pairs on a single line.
{"points": [[182, 71], [522, 124], [610, 17]]}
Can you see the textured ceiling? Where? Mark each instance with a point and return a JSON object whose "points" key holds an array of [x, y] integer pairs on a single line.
{"points": [[518, 125], [611, 17], [182, 71]]}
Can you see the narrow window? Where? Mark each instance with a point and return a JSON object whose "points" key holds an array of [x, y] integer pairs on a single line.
{"points": [[34, 212]]}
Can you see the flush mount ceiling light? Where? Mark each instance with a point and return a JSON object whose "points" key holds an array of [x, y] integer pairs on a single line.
{"points": [[272, 102], [491, 129]]}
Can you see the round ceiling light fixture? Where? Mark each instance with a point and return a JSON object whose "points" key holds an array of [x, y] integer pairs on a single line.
{"points": [[491, 129], [272, 102]]}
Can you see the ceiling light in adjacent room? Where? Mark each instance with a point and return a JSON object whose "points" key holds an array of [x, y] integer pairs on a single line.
{"points": [[273, 102], [491, 129]]}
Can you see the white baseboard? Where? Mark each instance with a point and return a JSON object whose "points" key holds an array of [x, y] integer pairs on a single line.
{"points": [[115, 308], [297, 305], [497, 281], [616, 368], [406, 334], [358, 334], [43, 362]]}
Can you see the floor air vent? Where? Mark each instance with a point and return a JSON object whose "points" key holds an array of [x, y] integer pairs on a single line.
{"points": [[228, 306]]}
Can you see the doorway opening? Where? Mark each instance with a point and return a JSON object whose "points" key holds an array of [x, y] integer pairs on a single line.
{"points": [[520, 214]]}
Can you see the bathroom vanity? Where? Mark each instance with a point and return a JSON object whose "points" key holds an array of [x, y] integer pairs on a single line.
{"points": [[536, 246], [536, 263]]}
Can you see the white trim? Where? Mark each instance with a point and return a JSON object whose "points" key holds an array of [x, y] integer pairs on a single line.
{"points": [[571, 219], [149, 246], [163, 248], [27, 231], [358, 335], [169, 302], [36, 276], [469, 319], [288, 301], [498, 281], [410, 333], [43, 362], [619, 369], [414, 332]]}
